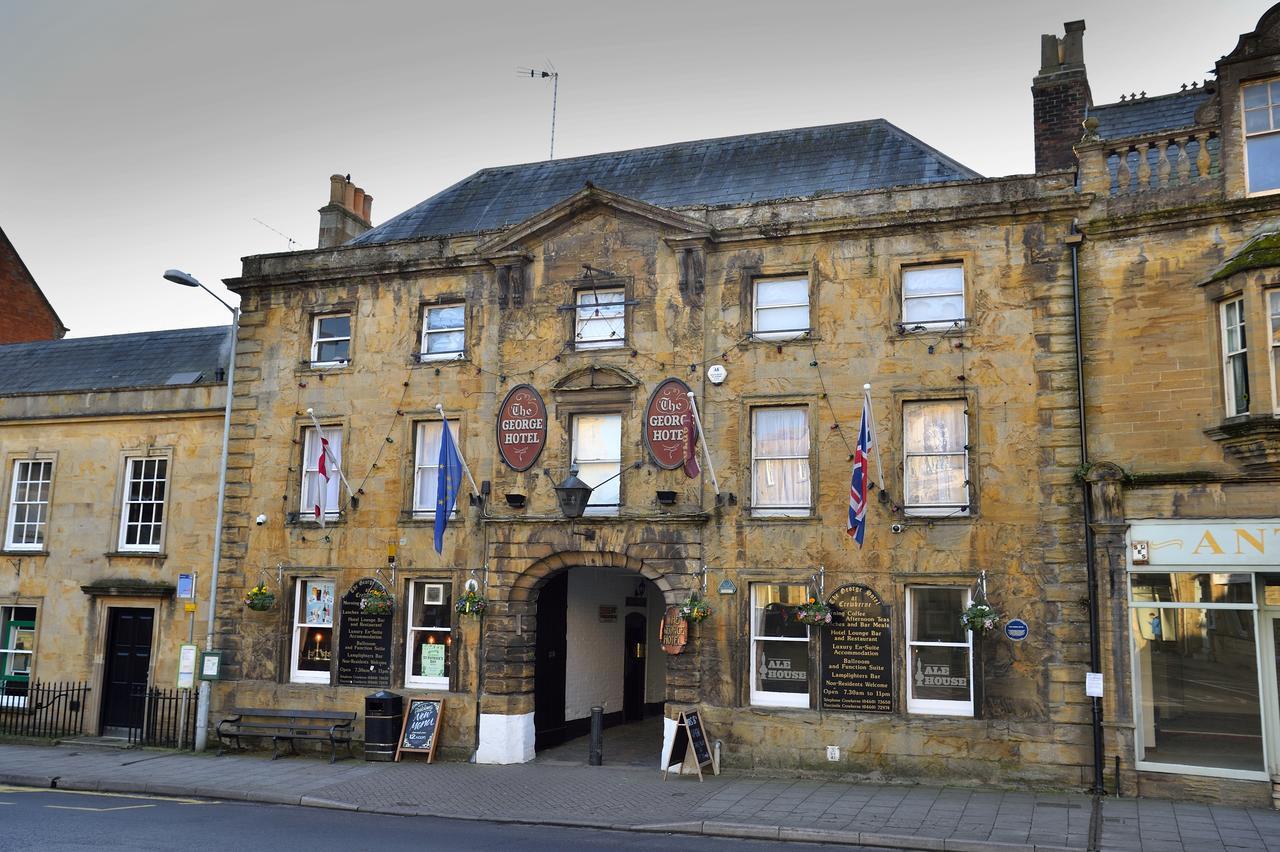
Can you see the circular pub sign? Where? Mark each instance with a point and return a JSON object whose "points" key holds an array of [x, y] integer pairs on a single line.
{"points": [[669, 431], [522, 427]]}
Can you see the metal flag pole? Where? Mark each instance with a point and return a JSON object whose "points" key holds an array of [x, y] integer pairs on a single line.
{"points": [[706, 452], [462, 459], [871, 434], [328, 453]]}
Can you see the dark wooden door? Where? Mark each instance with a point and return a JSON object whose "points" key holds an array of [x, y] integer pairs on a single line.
{"points": [[127, 663], [633, 663], [549, 673]]}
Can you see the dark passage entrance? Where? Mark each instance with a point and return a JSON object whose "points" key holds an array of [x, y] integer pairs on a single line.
{"points": [[633, 671], [127, 662], [551, 652]]}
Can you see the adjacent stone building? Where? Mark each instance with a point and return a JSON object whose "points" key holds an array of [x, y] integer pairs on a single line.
{"points": [[110, 449]]}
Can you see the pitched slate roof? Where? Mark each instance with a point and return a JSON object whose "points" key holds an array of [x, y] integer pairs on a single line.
{"points": [[731, 170], [1149, 115], [184, 356]]}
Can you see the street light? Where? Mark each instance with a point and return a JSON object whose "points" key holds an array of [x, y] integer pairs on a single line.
{"points": [[573, 494], [177, 276]]}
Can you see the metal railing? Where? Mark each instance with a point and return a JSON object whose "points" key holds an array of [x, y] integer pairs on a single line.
{"points": [[162, 718], [39, 709]]}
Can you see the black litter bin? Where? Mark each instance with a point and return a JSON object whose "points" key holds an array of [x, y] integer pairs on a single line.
{"points": [[383, 716]]}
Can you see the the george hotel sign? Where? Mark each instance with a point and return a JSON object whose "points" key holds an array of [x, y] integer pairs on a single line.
{"points": [[1245, 543], [522, 427]]}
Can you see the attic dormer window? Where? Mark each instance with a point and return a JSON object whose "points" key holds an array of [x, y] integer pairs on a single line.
{"points": [[1261, 103], [600, 318]]}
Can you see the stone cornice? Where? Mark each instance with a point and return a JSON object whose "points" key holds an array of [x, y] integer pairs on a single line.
{"points": [[1178, 217]]}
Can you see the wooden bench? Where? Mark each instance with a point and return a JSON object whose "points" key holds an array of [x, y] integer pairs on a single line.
{"points": [[291, 725]]}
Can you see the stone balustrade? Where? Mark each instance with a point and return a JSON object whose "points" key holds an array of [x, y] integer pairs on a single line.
{"points": [[1129, 167]]}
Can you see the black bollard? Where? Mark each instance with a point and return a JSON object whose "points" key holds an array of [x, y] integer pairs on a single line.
{"points": [[595, 756]]}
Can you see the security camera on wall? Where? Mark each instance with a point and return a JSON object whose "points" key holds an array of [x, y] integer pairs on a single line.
{"points": [[260, 520]]}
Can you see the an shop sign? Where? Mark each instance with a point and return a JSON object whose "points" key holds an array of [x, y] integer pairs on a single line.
{"points": [[1246, 543], [522, 427], [669, 430]]}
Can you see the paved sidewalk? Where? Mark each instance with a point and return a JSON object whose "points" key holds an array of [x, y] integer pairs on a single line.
{"points": [[903, 817]]}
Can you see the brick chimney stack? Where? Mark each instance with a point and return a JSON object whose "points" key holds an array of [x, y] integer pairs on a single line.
{"points": [[346, 216], [1060, 98]]}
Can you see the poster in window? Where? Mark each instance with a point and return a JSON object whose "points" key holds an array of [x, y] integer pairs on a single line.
{"points": [[433, 660], [783, 666], [940, 674], [319, 603]]}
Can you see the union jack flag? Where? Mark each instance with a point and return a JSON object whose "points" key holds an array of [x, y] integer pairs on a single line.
{"points": [[858, 487]]}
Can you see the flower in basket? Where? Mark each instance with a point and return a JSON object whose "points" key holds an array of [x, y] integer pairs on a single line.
{"points": [[980, 617], [260, 598], [471, 603], [695, 608], [813, 612], [377, 602]]}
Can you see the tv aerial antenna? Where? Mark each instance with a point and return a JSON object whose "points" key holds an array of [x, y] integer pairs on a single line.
{"points": [[554, 76]]}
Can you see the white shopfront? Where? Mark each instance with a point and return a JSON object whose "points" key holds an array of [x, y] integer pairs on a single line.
{"points": [[1204, 618]]}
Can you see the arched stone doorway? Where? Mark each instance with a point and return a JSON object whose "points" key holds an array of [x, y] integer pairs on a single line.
{"points": [[510, 664]]}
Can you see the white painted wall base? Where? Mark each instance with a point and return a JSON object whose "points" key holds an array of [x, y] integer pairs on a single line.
{"points": [[505, 739]]}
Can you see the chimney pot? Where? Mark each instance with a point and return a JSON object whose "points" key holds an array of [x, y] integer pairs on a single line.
{"points": [[336, 188], [346, 216], [357, 200], [368, 209]]}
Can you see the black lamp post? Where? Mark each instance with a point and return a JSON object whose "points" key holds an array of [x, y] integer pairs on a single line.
{"points": [[573, 494]]}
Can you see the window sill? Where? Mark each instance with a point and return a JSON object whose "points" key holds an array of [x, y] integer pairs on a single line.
{"points": [[24, 551], [414, 519], [322, 367], [421, 359], [783, 519], [135, 554], [773, 337], [930, 516], [949, 328], [297, 521], [780, 708], [620, 345], [1252, 440]]}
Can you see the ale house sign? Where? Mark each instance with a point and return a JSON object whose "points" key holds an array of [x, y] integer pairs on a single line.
{"points": [[669, 431], [522, 427]]}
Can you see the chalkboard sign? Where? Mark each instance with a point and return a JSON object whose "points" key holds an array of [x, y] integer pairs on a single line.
{"points": [[364, 640], [689, 747], [421, 725], [857, 653]]}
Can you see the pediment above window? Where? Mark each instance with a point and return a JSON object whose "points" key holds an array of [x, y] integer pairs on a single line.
{"points": [[595, 378]]}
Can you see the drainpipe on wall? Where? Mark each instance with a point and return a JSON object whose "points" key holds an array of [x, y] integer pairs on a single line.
{"points": [[1074, 239]]}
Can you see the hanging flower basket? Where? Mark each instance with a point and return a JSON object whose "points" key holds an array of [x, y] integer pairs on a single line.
{"points": [[377, 602], [260, 598], [471, 603], [695, 609], [814, 613], [980, 617]]}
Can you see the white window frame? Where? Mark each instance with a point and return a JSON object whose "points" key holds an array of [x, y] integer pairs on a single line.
{"points": [[779, 511], [587, 311], [1229, 353], [1272, 129], [6, 620], [935, 706], [310, 468], [423, 461], [757, 309], [929, 325], [301, 628], [959, 510], [615, 458], [24, 484], [125, 502], [424, 353], [765, 698], [410, 680], [316, 339], [1273, 324]]}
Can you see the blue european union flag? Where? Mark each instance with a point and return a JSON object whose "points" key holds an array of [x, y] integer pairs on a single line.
{"points": [[448, 482]]}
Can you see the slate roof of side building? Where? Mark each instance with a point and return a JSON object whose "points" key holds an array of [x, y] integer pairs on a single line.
{"points": [[731, 170], [1157, 114], [185, 356]]}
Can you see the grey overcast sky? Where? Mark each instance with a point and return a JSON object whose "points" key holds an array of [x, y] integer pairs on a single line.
{"points": [[143, 134]]}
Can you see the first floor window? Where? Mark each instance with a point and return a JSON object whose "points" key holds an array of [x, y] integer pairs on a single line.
{"points": [[331, 340], [443, 332], [597, 451], [932, 297], [142, 509], [426, 469], [312, 631], [321, 492], [429, 645], [1273, 309], [935, 441], [1261, 103], [29, 504], [939, 652], [780, 484], [600, 319], [17, 651], [1234, 358], [779, 646], [1195, 670], [780, 308]]}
